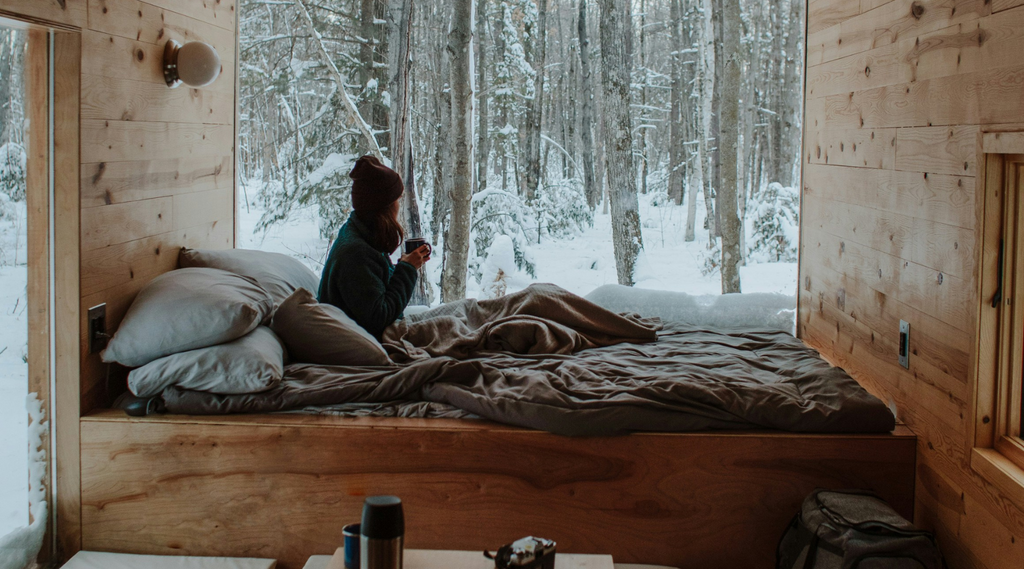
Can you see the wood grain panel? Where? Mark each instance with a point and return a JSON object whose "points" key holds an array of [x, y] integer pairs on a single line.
{"points": [[886, 65], [105, 183], [866, 5], [938, 246], [126, 100], [936, 197], [976, 46], [144, 259], [220, 13], [968, 99], [941, 150], [113, 141], [630, 496], [890, 23], [932, 292], [824, 14], [1000, 5], [203, 207], [69, 13], [852, 147], [121, 223], [144, 22]]}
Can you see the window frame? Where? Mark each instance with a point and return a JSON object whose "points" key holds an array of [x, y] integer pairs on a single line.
{"points": [[998, 450]]}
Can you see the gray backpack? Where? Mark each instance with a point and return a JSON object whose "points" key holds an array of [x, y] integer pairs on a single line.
{"points": [[854, 530]]}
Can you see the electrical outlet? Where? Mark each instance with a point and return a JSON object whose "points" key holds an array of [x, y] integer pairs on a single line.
{"points": [[905, 344], [98, 328]]}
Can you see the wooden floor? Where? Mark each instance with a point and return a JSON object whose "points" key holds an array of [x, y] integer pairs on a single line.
{"points": [[283, 486]]}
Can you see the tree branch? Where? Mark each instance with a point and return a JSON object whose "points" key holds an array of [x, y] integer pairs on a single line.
{"points": [[353, 112]]}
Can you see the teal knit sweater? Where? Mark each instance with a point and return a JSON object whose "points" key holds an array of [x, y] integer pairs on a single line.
{"points": [[361, 280]]}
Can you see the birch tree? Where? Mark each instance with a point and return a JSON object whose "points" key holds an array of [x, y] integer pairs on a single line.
{"points": [[535, 106], [616, 57], [483, 150], [456, 243], [590, 187], [728, 140], [676, 165]]}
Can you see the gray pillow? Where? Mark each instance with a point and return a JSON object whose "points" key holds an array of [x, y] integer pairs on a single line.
{"points": [[278, 274], [250, 364], [322, 334], [184, 310]]}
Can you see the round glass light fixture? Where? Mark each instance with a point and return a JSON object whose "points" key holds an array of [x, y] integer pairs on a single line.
{"points": [[195, 63]]}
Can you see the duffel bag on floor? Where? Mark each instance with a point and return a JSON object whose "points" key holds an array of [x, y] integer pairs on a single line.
{"points": [[854, 530]]}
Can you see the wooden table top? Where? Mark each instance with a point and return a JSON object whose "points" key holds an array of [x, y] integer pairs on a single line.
{"points": [[441, 559]]}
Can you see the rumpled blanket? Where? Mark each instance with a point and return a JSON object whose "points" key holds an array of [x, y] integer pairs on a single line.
{"points": [[550, 360], [541, 319]]}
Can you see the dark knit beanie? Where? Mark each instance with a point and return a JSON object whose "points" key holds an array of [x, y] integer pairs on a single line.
{"points": [[374, 185]]}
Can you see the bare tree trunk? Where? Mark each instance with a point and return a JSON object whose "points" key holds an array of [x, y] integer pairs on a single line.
{"points": [[442, 159], [590, 188], [792, 93], [353, 112], [676, 162], [484, 145], [535, 107], [399, 19], [732, 51], [716, 112], [616, 56], [456, 243], [708, 125], [366, 70], [642, 147]]}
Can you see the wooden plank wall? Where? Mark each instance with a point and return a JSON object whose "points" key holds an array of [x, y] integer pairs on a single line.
{"points": [[897, 93], [157, 168]]}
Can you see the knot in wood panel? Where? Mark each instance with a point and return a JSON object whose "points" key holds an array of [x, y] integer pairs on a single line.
{"points": [[917, 10]]}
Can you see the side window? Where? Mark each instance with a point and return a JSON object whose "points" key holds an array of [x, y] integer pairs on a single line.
{"points": [[25, 201], [1010, 304], [999, 450]]}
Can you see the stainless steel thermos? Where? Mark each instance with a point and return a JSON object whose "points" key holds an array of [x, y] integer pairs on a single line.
{"points": [[382, 533]]}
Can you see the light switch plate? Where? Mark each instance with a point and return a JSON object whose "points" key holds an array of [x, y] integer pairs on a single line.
{"points": [[98, 328], [905, 344]]}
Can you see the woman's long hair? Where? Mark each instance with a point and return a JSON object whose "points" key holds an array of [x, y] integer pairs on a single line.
{"points": [[386, 232]]}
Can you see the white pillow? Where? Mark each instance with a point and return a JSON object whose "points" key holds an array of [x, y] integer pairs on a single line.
{"points": [[278, 274], [250, 364], [322, 334], [184, 310]]}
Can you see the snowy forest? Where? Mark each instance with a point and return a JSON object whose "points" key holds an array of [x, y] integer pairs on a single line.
{"points": [[521, 122]]}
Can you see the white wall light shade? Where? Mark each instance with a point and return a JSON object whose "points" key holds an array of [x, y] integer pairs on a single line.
{"points": [[195, 63]]}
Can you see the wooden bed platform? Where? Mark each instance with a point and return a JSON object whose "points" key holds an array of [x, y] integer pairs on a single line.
{"points": [[283, 486]]}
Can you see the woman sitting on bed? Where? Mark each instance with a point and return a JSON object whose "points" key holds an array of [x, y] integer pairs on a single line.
{"points": [[358, 276]]}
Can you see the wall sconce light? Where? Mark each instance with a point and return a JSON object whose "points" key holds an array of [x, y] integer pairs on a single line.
{"points": [[195, 63]]}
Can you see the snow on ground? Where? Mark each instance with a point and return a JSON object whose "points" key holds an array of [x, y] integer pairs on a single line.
{"points": [[13, 378], [579, 264]]}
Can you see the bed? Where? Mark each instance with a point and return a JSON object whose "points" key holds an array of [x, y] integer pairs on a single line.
{"points": [[595, 448]]}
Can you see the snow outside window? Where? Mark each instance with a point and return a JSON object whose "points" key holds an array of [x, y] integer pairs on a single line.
{"points": [[544, 155]]}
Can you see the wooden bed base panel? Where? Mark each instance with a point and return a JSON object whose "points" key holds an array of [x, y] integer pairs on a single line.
{"points": [[283, 486]]}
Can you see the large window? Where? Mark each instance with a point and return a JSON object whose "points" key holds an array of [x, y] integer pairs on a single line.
{"points": [[999, 449], [558, 192]]}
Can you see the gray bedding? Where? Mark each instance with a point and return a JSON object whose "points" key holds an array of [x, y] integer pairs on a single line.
{"points": [[576, 370]]}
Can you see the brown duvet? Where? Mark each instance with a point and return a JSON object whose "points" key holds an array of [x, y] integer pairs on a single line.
{"points": [[546, 359]]}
